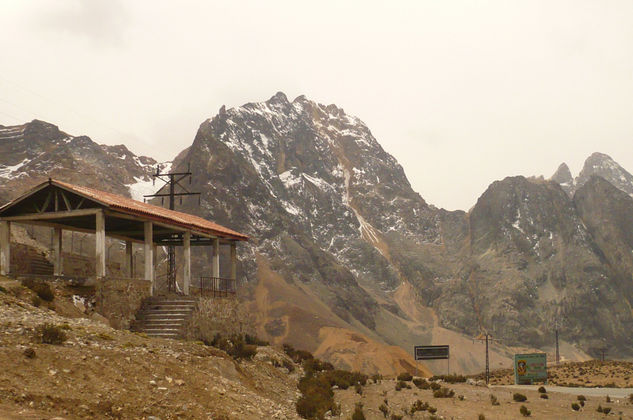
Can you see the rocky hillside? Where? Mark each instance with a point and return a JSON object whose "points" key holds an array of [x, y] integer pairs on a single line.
{"points": [[35, 151], [537, 260]]}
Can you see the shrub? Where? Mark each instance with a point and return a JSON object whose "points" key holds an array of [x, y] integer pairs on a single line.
{"points": [[358, 412], [451, 379], [599, 409], [384, 410], [435, 386], [419, 406], [316, 399], [493, 400], [297, 356], [630, 398], [254, 340], [315, 365], [359, 389], [421, 383], [376, 378], [51, 334], [36, 301], [544, 396], [3, 290], [606, 410], [443, 393], [343, 378], [481, 417], [608, 399], [396, 417], [581, 398], [405, 376], [432, 410], [519, 397], [524, 411], [235, 346], [542, 390], [41, 289], [29, 353], [575, 406], [402, 385]]}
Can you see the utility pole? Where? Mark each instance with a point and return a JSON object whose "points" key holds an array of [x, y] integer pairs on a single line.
{"points": [[172, 180], [487, 338], [557, 350]]}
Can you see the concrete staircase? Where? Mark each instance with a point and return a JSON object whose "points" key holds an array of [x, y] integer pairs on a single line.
{"points": [[164, 317]]}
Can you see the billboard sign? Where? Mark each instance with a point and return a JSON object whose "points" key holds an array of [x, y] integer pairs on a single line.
{"points": [[529, 368], [430, 352]]}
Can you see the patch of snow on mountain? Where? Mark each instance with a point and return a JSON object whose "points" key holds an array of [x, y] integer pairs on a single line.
{"points": [[143, 186], [516, 222], [289, 179], [146, 185], [318, 182], [7, 171]]}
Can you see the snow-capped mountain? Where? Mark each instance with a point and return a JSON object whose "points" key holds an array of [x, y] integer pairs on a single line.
{"points": [[332, 214], [32, 152], [346, 260]]}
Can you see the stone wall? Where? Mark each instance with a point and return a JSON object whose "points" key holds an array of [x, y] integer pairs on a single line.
{"points": [[119, 299]]}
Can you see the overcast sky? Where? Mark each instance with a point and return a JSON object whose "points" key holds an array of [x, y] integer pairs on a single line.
{"points": [[462, 93]]}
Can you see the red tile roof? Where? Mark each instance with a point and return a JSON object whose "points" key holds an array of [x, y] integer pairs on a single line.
{"points": [[159, 214]]}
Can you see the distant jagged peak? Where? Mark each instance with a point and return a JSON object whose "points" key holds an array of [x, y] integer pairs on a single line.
{"points": [[278, 98], [603, 165], [564, 178], [563, 175]]}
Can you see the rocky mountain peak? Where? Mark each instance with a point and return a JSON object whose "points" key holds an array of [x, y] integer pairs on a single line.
{"points": [[604, 166], [562, 174], [37, 150], [563, 177]]}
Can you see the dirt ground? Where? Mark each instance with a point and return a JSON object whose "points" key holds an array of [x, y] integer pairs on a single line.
{"points": [[104, 373], [591, 373], [476, 401]]}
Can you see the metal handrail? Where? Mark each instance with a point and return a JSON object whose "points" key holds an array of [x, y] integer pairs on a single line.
{"points": [[216, 286]]}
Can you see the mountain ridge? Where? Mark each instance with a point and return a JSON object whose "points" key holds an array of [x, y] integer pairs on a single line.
{"points": [[346, 255]]}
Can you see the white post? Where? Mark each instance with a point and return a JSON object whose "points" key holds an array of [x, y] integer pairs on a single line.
{"points": [[216, 257], [129, 258], [187, 267], [57, 252], [100, 248], [149, 254], [5, 247]]}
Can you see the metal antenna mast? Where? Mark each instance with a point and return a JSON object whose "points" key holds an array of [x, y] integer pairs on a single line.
{"points": [[172, 180]]}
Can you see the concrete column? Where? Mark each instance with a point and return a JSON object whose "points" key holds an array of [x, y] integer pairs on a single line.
{"points": [[129, 259], [187, 266], [5, 248], [57, 252], [216, 258], [100, 246], [234, 260], [149, 254]]}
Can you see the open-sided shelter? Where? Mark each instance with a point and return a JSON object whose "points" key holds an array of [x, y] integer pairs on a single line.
{"points": [[65, 206]]}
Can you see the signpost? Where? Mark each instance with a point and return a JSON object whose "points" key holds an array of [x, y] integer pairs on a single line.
{"points": [[432, 353], [529, 368]]}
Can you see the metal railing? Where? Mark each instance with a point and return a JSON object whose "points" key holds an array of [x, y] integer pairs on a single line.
{"points": [[216, 286]]}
